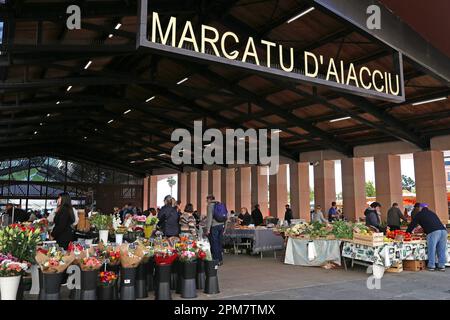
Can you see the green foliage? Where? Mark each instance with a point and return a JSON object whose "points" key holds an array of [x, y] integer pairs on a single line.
{"points": [[408, 183], [370, 189], [342, 229], [101, 221], [20, 242]]}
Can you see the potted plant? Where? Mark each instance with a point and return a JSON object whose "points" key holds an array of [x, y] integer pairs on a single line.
{"points": [[119, 232], [102, 223], [106, 285], [89, 272], [11, 270], [149, 226]]}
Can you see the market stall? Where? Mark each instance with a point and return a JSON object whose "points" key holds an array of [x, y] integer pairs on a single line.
{"points": [[258, 240]]}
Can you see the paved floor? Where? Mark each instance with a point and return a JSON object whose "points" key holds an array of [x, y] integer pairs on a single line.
{"points": [[246, 277]]}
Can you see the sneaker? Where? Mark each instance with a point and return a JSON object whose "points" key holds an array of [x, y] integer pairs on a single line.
{"points": [[431, 269], [442, 269]]}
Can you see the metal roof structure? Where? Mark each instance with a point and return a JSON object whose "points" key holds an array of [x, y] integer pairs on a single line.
{"points": [[90, 94]]}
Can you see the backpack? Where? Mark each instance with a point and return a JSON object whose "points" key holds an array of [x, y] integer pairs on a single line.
{"points": [[220, 213]]}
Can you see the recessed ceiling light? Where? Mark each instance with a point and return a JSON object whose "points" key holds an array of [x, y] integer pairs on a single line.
{"points": [[128, 111], [58, 102], [111, 121], [300, 14], [182, 80], [133, 161], [69, 87], [48, 115], [150, 99], [88, 64], [118, 26], [85, 138], [41, 124], [110, 35], [35, 132], [429, 101], [95, 129], [340, 119]]}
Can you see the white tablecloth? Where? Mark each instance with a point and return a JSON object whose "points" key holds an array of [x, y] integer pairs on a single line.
{"points": [[326, 250]]}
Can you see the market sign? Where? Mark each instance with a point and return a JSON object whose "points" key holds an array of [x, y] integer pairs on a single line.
{"points": [[266, 57]]}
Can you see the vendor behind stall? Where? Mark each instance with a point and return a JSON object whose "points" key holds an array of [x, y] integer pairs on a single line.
{"points": [[244, 217], [436, 236], [372, 215], [317, 215]]}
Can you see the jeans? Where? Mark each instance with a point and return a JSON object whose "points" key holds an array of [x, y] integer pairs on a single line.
{"points": [[216, 241], [437, 243]]}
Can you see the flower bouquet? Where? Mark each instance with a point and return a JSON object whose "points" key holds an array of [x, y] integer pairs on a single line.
{"points": [[54, 261], [11, 266], [128, 258], [90, 263], [139, 222], [101, 221], [189, 255], [165, 256], [107, 278], [204, 250], [20, 241], [109, 254]]}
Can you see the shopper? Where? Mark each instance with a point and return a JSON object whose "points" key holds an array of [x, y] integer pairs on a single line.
{"points": [[169, 218], [436, 236], [187, 221], [214, 229], [244, 217], [257, 216], [317, 215], [333, 213], [415, 210], [64, 218], [288, 216], [394, 215], [372, 214]]}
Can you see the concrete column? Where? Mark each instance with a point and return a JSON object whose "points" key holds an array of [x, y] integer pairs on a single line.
{"points": [[243, 188], [182, 188], [353, 187], [324, 184], [429, 169], [260, 189], [388, 182], [214, 184], [153, 191], [146, 194], [202, 191], [227, 188], [278, 195], [192, 192], [300, 190]]}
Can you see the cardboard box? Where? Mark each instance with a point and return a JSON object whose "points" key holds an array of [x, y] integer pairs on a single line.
{"points": [[414, 265]]}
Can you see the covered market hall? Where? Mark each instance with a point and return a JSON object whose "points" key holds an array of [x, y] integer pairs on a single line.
{"points": [[96, 95]]}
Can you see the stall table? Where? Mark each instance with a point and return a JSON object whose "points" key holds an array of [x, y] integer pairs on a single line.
{"points": [[262, 239], [326, 251]]}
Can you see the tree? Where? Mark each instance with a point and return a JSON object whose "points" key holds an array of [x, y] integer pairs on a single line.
{"points": [[370, 189], [408, 183], [171, 182]]}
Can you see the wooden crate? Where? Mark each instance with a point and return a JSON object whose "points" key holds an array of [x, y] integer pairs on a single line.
{"points": [[373, 240], [396, 268], [414, 265]]}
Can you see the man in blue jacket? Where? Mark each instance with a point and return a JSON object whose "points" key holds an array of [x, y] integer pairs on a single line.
{"points": [[436, 236]]}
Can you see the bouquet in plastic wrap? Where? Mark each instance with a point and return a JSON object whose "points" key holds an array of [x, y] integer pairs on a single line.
{"points": [[128, 257], [10, 266], [109, 254], [204, 250], [107, 278], [90, 263], [54, 260]]}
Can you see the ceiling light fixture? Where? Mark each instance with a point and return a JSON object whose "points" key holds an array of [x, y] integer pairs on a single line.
{"points": [[110, 35], [48, 115], [429, 101], [150, 99], [58, 102], [88, 64], [111, 121], [340, 119], [300, 14], [35, 132], [128, 111], [69, 87], [181, 81], [118, 26]]}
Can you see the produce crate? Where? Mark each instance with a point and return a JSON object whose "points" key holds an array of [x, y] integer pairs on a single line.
{"points": [[396, 268], [373, 240], [414, 265]]}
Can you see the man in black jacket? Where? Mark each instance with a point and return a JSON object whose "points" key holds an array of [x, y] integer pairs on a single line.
{"points": [[288, 216], [169, 219], [372, 215], [436, 236], [257, 216]]}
